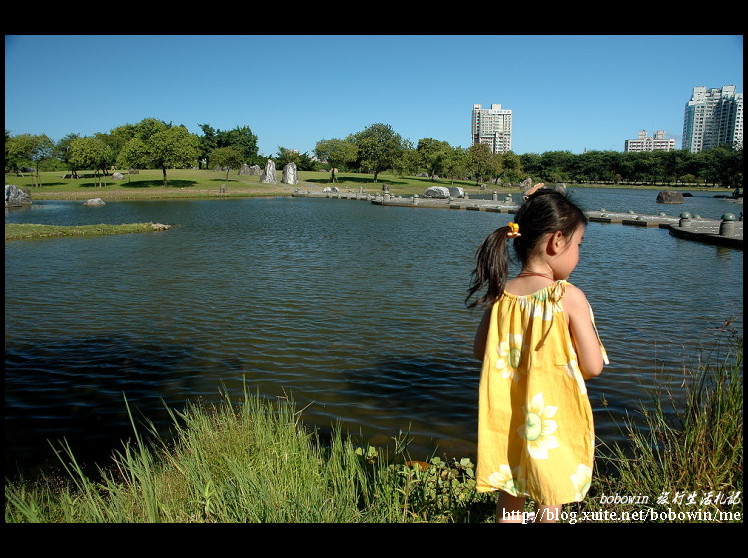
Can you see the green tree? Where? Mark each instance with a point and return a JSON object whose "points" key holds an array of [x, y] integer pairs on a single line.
{"points": [[480, 161], [557, 166], [27, 150], [242, 139], [227, 157], [378, 148], [455, 163], [159, 145], [62, 152], [338, 153], [512, 167], [91, 153], [206, 144], [134, 154], [173, 148], [409, 162], [433, 155]]}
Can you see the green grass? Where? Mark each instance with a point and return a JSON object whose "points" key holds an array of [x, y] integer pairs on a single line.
{"points": [[255, 460], [689, 455], [27, 231], [191, 183]]}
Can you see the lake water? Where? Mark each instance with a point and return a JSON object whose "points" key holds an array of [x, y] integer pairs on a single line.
{"points": [[353, 309]]}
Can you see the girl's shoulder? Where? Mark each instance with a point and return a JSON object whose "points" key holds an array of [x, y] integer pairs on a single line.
{"points": [[574, 298]]}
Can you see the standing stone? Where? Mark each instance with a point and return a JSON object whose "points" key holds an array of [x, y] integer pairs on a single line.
{"points": [[268, 175], [15, 197], [245, 170], [289, 174]]}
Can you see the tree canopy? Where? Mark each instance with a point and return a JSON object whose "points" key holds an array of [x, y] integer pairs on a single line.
{"points": [[379, 147], [156, 144], [159, 145]]}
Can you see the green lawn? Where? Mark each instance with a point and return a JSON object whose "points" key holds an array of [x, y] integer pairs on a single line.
{"points": [[190, 183]]}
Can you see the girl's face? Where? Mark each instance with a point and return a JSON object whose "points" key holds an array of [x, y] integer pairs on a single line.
{"points": [[567, 257]]}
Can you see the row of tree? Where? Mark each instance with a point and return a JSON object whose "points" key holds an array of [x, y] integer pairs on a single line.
{"points": [[378, 148], [153, 143]]}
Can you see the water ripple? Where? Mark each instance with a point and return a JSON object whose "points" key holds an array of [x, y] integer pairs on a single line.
{"points": [[354, 310]]}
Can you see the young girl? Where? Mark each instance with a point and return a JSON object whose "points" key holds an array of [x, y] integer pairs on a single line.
{"points": [[538, 343]]}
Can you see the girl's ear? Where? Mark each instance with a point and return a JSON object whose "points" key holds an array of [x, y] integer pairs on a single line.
{"points": [[556, 241]]}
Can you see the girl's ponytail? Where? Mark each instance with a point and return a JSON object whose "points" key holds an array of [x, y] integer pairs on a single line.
{"points": [[491, 267]]}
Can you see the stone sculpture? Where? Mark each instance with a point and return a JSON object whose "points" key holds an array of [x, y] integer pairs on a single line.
{"points": [[436, 192], [289, 174], [15, 197], [268, 175]]}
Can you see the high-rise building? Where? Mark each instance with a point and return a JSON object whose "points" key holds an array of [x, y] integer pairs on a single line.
{"points": [[713, 117], [645, 143], [493, 127]]}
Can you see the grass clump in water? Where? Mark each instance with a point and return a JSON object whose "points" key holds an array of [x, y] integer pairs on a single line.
{"points": [[25, 231]]}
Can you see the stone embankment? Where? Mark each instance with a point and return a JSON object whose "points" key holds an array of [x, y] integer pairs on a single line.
{"points": [[725, 232]]}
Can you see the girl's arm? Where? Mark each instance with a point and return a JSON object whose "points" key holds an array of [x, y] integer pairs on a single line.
{"points": [[479, 345], [583, 333]]}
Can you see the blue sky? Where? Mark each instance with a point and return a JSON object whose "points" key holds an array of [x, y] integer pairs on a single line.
{"points": [[566, 92]]}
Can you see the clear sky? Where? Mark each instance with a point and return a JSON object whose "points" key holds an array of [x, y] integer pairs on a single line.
{"points": [[566, 92]]}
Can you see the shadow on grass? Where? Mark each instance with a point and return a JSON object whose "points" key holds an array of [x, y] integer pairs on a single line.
{"points": [[342, 180], [157, 183]]}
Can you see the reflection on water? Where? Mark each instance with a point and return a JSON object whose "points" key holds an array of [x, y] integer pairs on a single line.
{"points": [[355, 310]]}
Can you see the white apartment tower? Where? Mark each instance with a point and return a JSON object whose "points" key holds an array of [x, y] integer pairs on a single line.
{"points": [[713, 117], [493, 127], [645, 143]]}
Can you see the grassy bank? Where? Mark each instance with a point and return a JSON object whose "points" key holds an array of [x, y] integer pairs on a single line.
{"points": [[255, 461], [28, 231], [190, 183]]}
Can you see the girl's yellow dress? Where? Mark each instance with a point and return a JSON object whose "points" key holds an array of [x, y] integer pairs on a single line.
{"points": [[536, 435]]}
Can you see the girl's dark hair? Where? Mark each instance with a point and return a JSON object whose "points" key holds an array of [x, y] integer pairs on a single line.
{"points": [[545, 211]]}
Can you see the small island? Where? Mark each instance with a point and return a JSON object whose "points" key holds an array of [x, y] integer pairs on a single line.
{"points": [[25, 231]]}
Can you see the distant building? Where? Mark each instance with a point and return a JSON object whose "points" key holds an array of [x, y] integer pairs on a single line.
{"points": [[713, 117], [493, 127], [645, 143]]}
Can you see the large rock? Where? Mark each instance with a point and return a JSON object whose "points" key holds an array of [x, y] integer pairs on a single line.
{"points": [[247, 170], [94, 201], [440, 192], [268, 175], [667, 196], [456, 192], [289, 174], [15, 197]]}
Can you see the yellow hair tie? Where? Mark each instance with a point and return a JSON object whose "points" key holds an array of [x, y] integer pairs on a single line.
{"points": [[513, 230]]}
